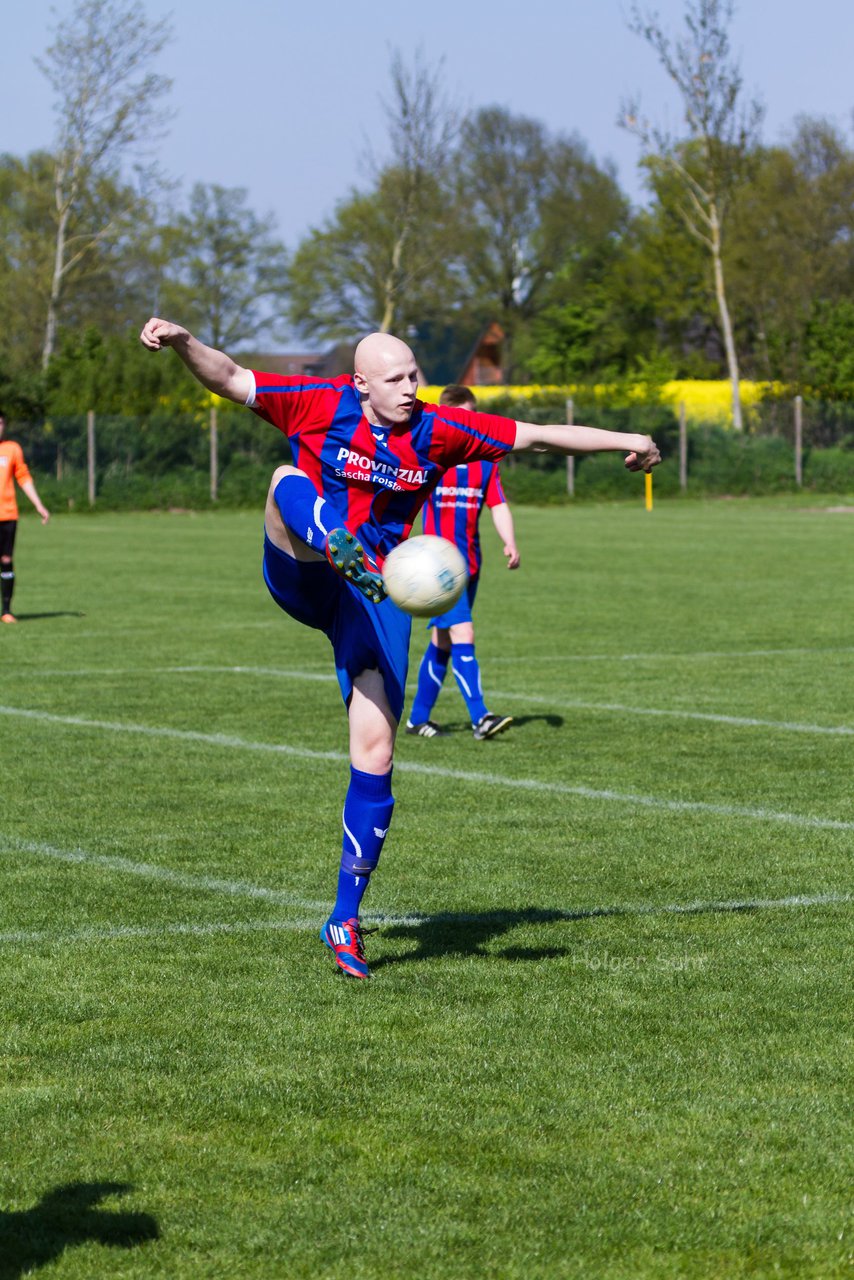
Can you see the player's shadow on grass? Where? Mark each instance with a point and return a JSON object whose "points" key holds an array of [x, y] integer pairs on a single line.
{"points": [[65, 1217], [39, 617], [549, 718], [467, 935]]}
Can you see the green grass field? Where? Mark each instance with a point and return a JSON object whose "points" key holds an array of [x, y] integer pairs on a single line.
{"points": [[609, 1032]]}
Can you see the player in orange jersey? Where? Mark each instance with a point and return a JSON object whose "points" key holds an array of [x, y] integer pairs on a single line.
{"points": [[12, 468]]}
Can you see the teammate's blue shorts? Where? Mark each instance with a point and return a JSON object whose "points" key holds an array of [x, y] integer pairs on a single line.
{"points": [[461, 611], [364, 636]]}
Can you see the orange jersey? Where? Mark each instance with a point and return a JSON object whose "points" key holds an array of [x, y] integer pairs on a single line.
{"points": [[12, 468]]}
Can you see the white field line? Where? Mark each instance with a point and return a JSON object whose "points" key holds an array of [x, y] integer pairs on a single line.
{"points": [[527, 660], [671, 713], [108, 933], [111, 933], [94, 673], [561, 704], [152, 871], [547, 915], [635, 800], [694, 655]]}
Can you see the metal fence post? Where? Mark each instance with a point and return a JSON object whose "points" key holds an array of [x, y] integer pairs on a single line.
{"points": [[683, 448], [799, 441], [90, 454], [570, 460]]}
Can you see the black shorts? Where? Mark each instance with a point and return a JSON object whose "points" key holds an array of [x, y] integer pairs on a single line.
{"points": [[8, 529]]}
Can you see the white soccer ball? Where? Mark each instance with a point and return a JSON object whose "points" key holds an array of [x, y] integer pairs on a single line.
{"points": [[425, 575]]}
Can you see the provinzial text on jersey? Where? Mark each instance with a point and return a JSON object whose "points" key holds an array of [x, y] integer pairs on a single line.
{"points": [[382, 471]]}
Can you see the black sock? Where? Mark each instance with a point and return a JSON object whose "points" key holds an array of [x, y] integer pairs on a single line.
{"points": [[7, 583]]}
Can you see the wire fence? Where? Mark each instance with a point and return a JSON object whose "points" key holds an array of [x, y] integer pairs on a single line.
{"points": [[224, 456]]}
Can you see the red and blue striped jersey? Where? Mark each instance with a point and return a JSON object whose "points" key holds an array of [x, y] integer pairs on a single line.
{"points": [[378, 478], [454, 507]]}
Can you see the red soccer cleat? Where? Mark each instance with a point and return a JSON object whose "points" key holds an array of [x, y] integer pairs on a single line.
{"points": [[345, 939]]}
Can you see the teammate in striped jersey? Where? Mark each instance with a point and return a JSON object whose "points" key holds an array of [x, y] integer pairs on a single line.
{"points": [[453, 511], [366, 455]]}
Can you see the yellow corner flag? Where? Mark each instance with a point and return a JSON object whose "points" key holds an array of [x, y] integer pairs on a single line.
{"points": [[647, 480]]}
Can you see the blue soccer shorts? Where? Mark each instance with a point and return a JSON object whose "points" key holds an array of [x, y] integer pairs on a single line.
{"points": [[461, 611], [363, 636]]}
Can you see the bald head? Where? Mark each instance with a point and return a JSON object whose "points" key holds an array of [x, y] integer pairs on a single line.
{"points": [[379, 350], [386, 377]]}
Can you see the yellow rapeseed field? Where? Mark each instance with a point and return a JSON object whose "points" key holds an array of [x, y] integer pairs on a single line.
{"points": [[707, 403]]}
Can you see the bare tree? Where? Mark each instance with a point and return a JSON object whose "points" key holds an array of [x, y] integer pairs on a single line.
{"points": [[422, 130], [722, 129], [107, 111]]}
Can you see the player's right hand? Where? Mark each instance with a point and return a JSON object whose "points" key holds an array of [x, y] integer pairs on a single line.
{"points": [[160, 333], [644, 459]]}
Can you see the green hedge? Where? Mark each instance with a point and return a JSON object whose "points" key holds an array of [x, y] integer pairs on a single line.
{"points": [[719, 463]]}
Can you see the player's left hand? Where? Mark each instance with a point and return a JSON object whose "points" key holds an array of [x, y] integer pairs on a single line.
{"points": [[512, 554], [644, 459]]}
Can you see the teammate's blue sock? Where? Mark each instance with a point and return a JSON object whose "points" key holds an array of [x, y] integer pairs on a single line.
{"points": [[467, 674], [304, 512], [431, 677], [367, 814]]}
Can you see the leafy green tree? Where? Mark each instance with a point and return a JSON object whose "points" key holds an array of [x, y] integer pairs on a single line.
{"points": [[637, 300], [26, 202], [339, 276], [791, 245], [569, 341], [829, 349], [662, 290], [537, 208], [227, 273], [115, 285], [113, 374]]}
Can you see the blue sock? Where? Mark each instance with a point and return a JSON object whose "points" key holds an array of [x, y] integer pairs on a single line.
{"points": [[304, 512], [467, 675], [431, 676], [367, 814]]}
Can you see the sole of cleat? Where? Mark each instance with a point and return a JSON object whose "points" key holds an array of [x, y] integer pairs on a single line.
{"points": [[501, 723], [347, 557]]}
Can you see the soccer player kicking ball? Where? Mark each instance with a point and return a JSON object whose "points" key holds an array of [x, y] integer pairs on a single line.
{"points": [[453, 511], [367, 453]]}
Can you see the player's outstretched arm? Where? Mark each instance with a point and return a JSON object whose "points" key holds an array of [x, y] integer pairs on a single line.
{"points": [[641, 451], [214, 369], [503, 521]]}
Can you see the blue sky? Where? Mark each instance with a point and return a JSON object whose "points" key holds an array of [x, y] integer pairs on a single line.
{"points": [[282, 99]]}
